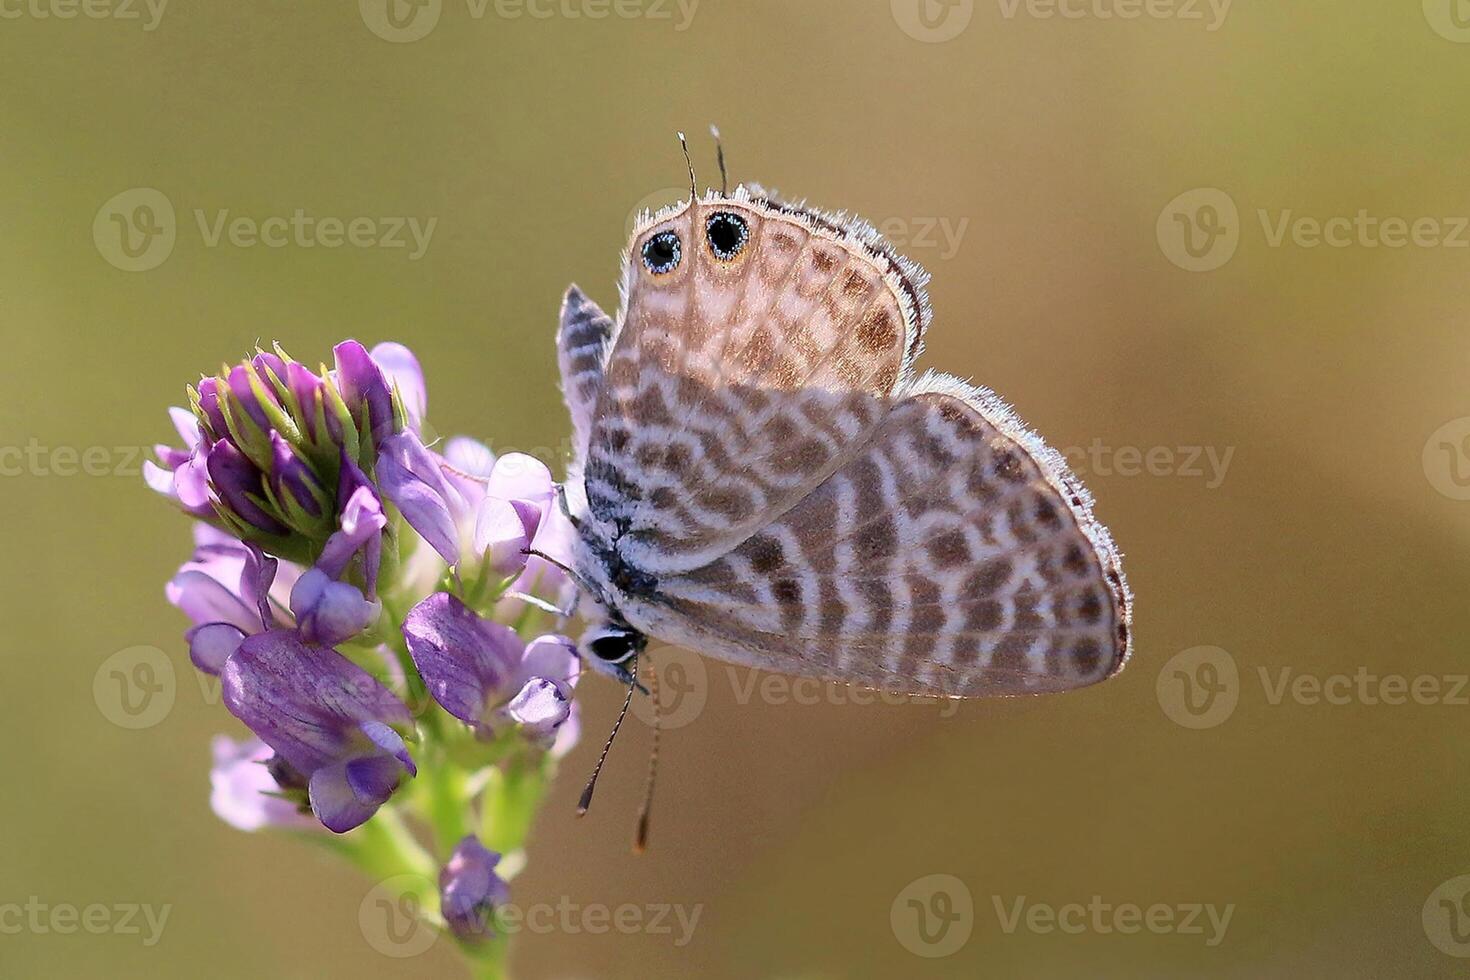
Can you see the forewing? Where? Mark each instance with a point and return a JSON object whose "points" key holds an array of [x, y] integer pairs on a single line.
{"points": [[955, 555], [581, 350], [735, 387]]}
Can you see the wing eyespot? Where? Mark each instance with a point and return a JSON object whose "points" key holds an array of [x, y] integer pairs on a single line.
{"points": [[662, 252], [727, 234]]}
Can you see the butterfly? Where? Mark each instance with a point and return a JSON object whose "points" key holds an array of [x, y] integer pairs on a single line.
{"points": [[759, 474]]}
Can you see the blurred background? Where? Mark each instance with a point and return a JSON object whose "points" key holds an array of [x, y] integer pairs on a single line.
{"points": [[1218, 252]]}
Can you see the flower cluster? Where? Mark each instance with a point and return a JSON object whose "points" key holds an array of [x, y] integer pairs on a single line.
{"points": [[369, 604]]}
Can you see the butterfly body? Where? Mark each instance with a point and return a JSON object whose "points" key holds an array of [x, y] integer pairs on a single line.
{"points": [[760, 475]]}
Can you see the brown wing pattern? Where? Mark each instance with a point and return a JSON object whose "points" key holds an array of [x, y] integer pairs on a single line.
{"points": [[954, 554], [735, 387]]}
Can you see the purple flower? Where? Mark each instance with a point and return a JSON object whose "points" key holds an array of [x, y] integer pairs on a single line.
{"points": [[405, 376], [229, 591], [413, 478], [474, 509], [273, 451], [182, 473], [482, 673], [243, 791], [470, 891], [364, 389], [327, 718], [330, 612]]}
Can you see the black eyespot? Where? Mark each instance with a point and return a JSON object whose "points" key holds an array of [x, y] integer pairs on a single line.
{"points": [[727, 234], [662, 252]]}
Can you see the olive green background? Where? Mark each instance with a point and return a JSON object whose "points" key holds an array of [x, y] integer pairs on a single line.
{"points": [[1333, 542]]}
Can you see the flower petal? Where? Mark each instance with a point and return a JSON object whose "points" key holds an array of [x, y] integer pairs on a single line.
{"points": [[411, 479], [363, 387], [404, 374], [306, 702], [539, 708], [500, 536], [330, 612], [242, 790], [212, 644], [335, 802], [517, 476], [464, 660]]}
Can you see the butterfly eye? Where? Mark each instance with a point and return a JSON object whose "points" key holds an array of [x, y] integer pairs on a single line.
{"points": [[661, 253], [727, 234], [616, 644]]}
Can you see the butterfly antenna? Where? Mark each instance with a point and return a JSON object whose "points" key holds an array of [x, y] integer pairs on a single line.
{"points": [[693, 184], [571, 572], [720, 156], [586, 800], [640, 841]]}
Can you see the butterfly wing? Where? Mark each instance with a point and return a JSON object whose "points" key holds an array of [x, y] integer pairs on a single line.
{"points": [[581, 351], [735, 385], [953, 554]]}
